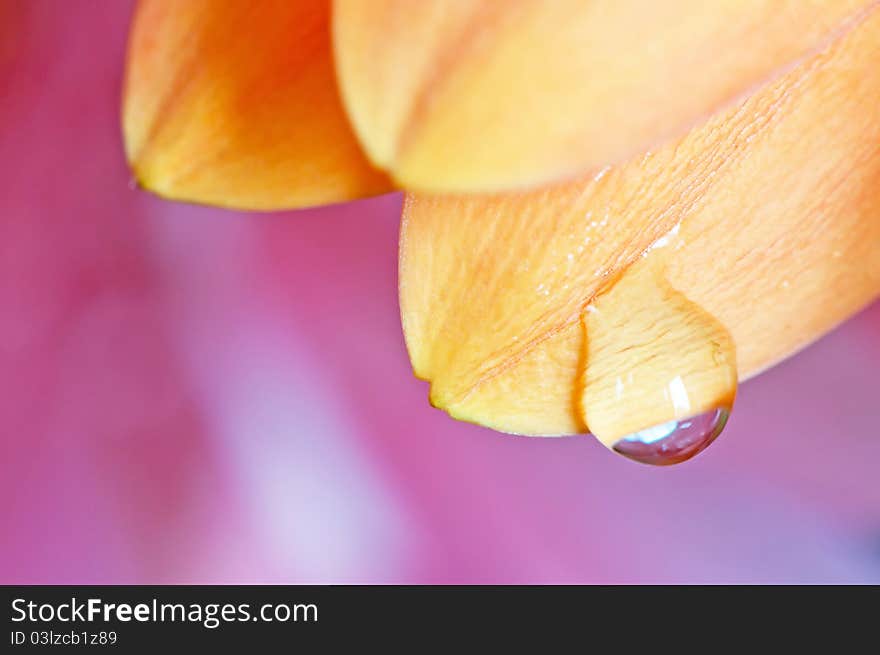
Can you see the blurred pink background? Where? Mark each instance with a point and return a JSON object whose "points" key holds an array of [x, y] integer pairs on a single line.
{"points": [[194, 395]]}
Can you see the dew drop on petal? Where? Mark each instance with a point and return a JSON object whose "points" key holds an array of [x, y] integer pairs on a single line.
{"points": [[674, 441], [653, 357]]}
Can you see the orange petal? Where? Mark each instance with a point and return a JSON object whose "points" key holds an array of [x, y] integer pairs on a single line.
{"points": [[235, 104], [778, 214], [479, 95]]}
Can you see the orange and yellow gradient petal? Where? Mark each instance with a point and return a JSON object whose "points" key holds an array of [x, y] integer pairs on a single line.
{"points": [[235, 104], [479, 95], [764, 225]]}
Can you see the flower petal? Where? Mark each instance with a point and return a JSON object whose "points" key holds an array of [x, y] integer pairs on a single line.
{"points": [[235, 104], [478, 95], [779, 216]]}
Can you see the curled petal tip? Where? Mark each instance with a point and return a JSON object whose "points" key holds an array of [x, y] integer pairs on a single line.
{"points": [[235, 104]]}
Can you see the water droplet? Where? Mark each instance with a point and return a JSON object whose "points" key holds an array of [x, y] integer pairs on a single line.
{"points": [[674, 441], [655, 358]]}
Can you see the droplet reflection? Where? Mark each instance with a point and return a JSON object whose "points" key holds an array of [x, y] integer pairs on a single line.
{"points": [[674, 441]]}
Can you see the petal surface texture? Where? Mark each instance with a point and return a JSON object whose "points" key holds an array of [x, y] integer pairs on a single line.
{"points": [[480, 95], [235, 104], [775, 210]]}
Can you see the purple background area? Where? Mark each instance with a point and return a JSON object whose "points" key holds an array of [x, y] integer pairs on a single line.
{"points": [[194, 395]]}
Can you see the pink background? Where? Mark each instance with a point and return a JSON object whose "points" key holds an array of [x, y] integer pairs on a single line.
{"points": [[193, 395]]}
